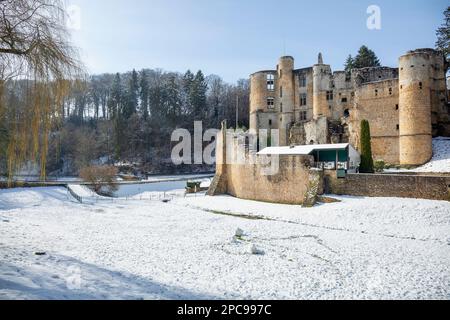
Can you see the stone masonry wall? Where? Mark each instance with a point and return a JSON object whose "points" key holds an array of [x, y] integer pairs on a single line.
{"points": [[288, 186], [384, 185]]}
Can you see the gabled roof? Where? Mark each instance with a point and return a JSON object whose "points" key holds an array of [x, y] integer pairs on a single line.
{"points": [[302, 150]]}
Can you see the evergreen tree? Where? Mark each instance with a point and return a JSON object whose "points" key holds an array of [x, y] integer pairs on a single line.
{"points": [[198, 95], [116, 96], [143, 94], [188, 80], [443, 35], [366, 148], [365, 58], [131, 103], [157, 101], [349, 64], [173, 99]]}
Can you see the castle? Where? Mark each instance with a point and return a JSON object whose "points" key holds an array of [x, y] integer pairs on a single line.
{"points": [[405, 106]]}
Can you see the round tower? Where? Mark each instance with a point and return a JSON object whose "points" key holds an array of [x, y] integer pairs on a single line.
{"points": [[258, 97], [321, 84], [286, 93], [415, 146]]}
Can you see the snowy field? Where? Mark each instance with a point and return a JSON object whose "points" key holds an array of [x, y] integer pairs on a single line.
{"points": [[440, 163], [359, 248]]}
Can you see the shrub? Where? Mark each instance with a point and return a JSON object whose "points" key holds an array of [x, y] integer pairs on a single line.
{"points": [[366, 148], [101, 178], [379, 166]]}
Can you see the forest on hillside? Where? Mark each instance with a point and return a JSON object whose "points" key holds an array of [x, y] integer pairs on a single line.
{"points": [[128, 118]]}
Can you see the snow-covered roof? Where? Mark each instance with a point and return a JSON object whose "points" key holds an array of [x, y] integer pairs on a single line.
{"points": [[302, 150]]}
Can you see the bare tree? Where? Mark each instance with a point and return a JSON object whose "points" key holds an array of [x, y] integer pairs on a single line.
{"points": [[34, 46], [34, 41]]}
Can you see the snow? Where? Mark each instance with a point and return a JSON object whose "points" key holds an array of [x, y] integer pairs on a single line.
{"points": [[440, 163], [303, 149], [360, 248]]}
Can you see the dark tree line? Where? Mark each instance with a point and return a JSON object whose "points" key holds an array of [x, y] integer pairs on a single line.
{"points": [[130, 117]]}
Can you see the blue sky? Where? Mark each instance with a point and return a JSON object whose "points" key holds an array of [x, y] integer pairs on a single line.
{"points": [[234, 38]]}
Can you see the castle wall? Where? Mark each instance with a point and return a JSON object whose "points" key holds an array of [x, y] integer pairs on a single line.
{"points": [[321, 84], [306, 73], [243, 174], [386, 185], [288, 186], [377, 102], [316, 131], [343, 95]]}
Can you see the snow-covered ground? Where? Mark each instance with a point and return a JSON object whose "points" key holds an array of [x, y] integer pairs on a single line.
{"points": [[440, 163], [365, 248]]}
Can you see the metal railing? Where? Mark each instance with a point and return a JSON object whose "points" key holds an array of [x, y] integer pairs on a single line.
{"points": [[73, 194]]}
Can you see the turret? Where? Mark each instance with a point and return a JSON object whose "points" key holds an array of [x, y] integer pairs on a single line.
{"points": [[415, 82], [286, 93], [321, 85]]}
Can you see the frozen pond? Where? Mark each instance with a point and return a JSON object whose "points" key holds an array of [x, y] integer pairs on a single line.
{"points": [[128, 190], [132, 189]]}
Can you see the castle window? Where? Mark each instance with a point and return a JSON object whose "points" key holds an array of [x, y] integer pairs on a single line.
{"points": [[281, 107], [302, 80], [344, 100], [270, 82], [376, 92], [420, 85], [270, 122], [303, 99], [303, 116], [390, 91], [396, 107], [346, 113], [281, 92], [270, 103], [398, 127], [281, 73], [329, 95]]}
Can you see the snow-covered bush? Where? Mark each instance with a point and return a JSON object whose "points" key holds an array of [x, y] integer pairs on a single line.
{"points": [[101, 178]]}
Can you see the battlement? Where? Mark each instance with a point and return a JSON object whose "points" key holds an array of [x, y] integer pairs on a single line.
{"points": [[374, 74]]}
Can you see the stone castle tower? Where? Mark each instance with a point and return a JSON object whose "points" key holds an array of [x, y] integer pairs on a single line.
{"points": [[405, 106]]}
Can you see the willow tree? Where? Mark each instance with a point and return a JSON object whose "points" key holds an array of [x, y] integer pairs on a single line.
{"points": [[35, 48]]}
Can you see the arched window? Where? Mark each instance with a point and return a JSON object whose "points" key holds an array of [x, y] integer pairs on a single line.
{"points": [[346, 113]]}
